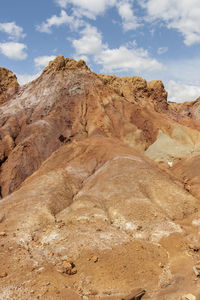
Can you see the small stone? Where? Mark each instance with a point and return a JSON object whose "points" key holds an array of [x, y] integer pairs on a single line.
{"points": [[139, 228], [135, 294], [195, 248], [35, 238], [4, 274], [68, 267], [161, 265], [73, 271], [95, 259], [3, 233], [188, 297], [187, 187]]}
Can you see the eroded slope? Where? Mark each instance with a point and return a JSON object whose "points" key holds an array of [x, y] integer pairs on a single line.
{"points": [[87, 183], [101, 199]]}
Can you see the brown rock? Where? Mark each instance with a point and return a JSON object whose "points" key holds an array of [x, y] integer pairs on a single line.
{"points": [[188, 297], [35, 238], [95, 259], [69, 268], [187, 187], [4, 274], [3, 233], [73, 271], [8, 85], [136, 294]]}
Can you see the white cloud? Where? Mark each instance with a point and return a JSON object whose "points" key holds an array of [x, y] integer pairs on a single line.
{"points": [[42, 61], [14, 50], [181, 92], [162, 50], [122, 59], [182, 15], [14, 31], [62, 3], [25, 78], [130, 21], [90, 43], [88, 8], [63, 19]]}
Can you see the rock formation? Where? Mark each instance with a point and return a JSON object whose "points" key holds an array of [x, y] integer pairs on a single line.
{"points": [[99, 182], [8, 85]]}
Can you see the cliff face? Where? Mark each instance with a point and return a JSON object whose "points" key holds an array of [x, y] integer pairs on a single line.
{"points": [[93, 180]]}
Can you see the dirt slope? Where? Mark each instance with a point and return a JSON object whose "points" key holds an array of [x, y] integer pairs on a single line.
{"points": [[95, 200]]}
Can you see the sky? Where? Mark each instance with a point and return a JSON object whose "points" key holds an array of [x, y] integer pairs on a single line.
{"points": [[154, 39]]}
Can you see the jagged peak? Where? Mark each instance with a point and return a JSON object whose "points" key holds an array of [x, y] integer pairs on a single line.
{"points": [[64, 63]]}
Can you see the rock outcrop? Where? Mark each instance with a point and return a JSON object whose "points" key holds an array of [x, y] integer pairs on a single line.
{"points": [[136, 89], [100, 184], [8, 85]]}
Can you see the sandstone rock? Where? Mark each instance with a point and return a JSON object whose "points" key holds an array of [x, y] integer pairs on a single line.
{"points": [[136, 294], [188, 297], [3, 233], [8, 85], [2, 275], [35, 238], [158, 95], [69, 268], [95, 259]]}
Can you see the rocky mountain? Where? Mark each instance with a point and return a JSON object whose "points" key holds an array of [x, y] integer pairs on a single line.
{"points": [[99, 184]]}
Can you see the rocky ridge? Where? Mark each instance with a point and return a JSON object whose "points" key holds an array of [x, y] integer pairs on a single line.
{"points": [[99, 182]]}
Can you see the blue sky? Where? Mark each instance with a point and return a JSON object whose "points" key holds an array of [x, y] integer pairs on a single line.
{"points": [[155, 39]]}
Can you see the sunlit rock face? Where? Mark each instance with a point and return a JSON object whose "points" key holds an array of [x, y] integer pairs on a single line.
{"points": [[99, 185], [8, 85]]}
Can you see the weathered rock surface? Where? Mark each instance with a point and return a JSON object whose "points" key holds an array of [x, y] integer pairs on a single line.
{"points": [[8, 85], [100, 185]]}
